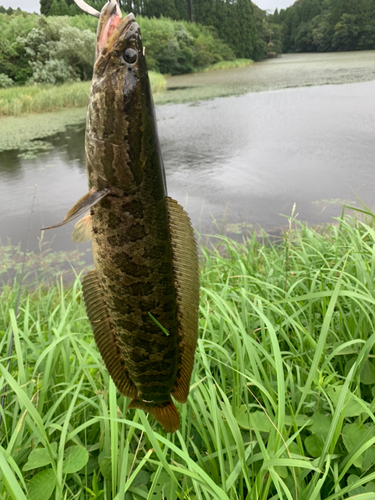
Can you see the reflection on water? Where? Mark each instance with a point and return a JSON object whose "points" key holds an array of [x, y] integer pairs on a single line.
{"points": [[262, 152], [60, 177], [244, 159]]}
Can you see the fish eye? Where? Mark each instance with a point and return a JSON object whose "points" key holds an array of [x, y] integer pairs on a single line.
{"points": [[130, 56]]}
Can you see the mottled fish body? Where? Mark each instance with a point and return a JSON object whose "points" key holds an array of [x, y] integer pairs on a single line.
{"points": [[142, 297]]}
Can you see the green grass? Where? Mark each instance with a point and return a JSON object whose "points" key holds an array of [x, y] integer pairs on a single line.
{"points": [[281, 404], [158, 82], [237, 63], [43, 98], [46, 98]]}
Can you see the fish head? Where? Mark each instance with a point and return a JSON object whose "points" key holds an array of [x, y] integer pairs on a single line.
{"points": [[121, 111], [119, 52]]}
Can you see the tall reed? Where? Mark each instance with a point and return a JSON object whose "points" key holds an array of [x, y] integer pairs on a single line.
{"points": [[15, 101]]}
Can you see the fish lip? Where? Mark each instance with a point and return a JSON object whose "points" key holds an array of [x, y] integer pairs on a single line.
{"points": [[104, 56], [110, 14]]}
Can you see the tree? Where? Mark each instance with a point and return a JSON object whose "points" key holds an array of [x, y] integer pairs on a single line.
{"points": [[14, 61], [54, 9], [190, 10], [45, 6], [322, 33], [325, 25], [367, 40], [233, 19], [347, 32], [268, 41], [73, 10], [158, 8], [64, 9]]}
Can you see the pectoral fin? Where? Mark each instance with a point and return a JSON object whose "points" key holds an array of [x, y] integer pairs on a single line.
{"points": [[83, 204], [83, 229]]}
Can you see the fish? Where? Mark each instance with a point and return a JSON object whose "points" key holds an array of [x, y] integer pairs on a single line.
{"points": [[142, 297]]}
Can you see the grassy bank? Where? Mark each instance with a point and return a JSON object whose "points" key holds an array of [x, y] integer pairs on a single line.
{"points": [[16, 101], [281, 403], [36, 112], [237, 63], [46, 98]]}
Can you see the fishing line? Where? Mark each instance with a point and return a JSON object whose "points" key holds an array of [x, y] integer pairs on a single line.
{"points": [[18, 301]]}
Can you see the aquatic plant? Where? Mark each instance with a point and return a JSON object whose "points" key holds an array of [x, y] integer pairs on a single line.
{"points": [[237, 63], [281, 402], [44, 265]]}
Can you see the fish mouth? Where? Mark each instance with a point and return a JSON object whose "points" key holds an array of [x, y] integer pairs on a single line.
{"points": [[110, 27]]}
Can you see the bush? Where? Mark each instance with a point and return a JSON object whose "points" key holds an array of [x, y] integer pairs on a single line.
{"points": [[59, 52], [168, 46], [5, 81], [180, 47], [53, 71], [61, 48]]}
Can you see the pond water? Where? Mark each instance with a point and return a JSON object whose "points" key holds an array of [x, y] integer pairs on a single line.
{"points": [[236, 163]]}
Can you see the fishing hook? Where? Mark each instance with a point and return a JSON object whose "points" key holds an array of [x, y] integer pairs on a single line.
{"points": [[87, 8]]}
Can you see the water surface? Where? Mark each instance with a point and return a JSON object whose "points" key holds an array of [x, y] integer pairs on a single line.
{"points": [[236, 163], [288, 71]]}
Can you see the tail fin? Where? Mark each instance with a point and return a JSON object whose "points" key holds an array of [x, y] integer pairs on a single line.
{"points": [[166, 414]]}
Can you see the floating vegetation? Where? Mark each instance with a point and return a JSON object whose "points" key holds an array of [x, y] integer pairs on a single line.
{"points": [[16, 131], [44, 265], [32, 149], [244, 228]]}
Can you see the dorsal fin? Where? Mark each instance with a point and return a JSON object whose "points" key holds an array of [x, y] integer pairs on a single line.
{"points": [[104, 334], [185, 267]]}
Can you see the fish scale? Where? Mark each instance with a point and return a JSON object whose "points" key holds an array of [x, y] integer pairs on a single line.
{"points": [[125, 292], [142, 297]]}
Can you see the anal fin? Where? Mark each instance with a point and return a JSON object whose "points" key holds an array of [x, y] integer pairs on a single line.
{"points": [[166, 414], [104, 334], [186, 272]]}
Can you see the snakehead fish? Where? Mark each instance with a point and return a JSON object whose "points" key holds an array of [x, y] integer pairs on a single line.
{"points": [[142, 297]]}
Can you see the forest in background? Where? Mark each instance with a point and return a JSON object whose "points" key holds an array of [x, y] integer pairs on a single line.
{"points": [[54, 50], [327, 25], [240, 23], [59, 45], [181, 36]]}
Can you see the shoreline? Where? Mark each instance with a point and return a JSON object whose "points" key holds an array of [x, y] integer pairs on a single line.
{"points": [[18, 132]]}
